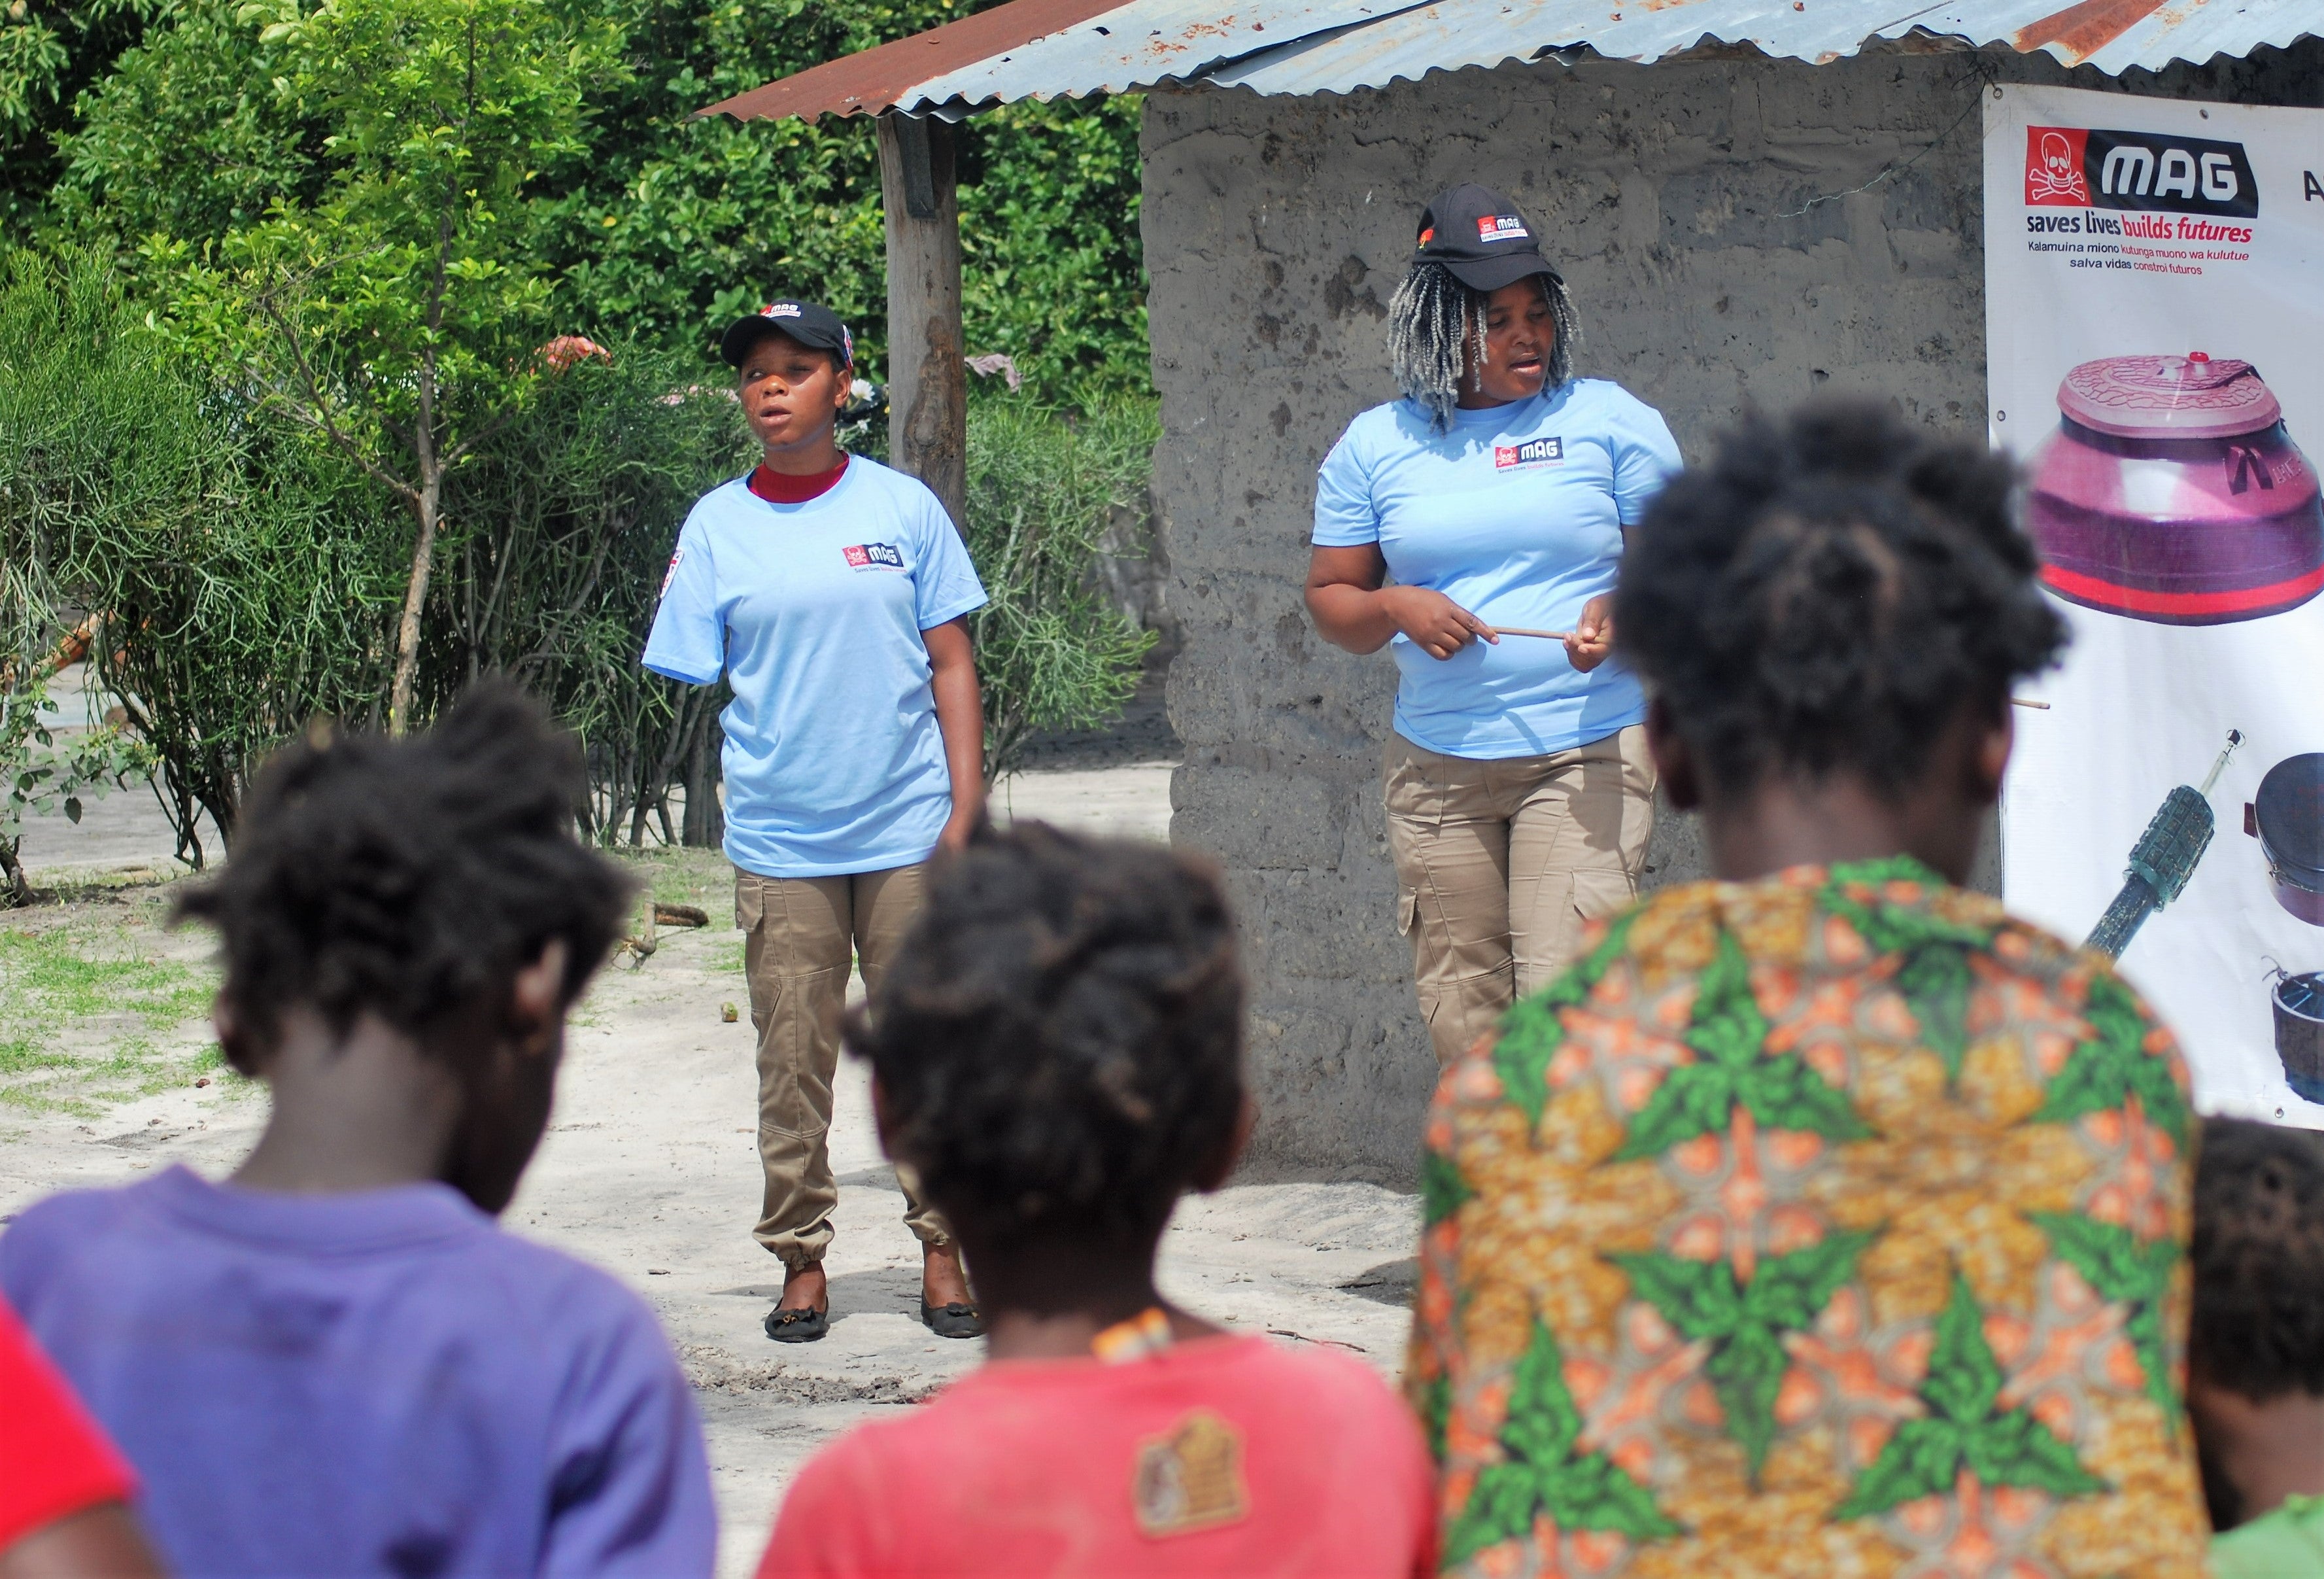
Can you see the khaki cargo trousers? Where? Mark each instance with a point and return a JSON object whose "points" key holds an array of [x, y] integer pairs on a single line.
{"points": [[800, 935], [1500, 863]]}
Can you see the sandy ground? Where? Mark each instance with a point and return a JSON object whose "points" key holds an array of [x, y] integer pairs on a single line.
{"points": [[650, 1171]]}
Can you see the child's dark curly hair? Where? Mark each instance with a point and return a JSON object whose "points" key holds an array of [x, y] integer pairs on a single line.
{"points": [[1059, 1043], [408, 879], [2258, 1326], [1828, 594]]}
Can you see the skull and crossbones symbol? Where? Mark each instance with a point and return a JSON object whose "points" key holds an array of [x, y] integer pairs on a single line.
{"points": [[2053, 175]]}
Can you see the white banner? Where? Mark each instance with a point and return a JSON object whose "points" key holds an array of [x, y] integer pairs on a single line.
{"points": [[2155, 333]]}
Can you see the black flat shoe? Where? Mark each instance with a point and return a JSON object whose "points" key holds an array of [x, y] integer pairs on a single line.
{"points": [[796, 1326], [953, 1321]]}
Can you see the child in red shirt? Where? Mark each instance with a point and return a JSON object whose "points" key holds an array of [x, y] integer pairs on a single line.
{"points": [[64, 1492], [1058, 1052]]}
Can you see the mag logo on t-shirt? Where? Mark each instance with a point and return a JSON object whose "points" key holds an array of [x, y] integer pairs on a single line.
{"points": [[1533, 452], [874, 557]]}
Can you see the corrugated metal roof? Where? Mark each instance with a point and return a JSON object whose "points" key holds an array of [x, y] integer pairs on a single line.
{"points": [[871, 81], [2113, 35], [1050, 49]]}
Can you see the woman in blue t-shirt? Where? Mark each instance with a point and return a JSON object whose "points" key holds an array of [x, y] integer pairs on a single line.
{"points": [[832, 594], [1491, 499]]}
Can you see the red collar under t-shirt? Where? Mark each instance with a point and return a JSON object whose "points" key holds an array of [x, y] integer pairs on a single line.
{"points": [[787, 488]]}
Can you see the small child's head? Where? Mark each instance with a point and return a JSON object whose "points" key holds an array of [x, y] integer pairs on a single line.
{"points": [[432, 886], [1058, 1048], [2256, 1340]]}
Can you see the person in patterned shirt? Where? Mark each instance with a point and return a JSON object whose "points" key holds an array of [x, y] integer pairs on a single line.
{"points": [[1822, 1219]]}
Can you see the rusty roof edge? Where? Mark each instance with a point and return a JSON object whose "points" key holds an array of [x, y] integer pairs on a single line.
{"points": [[1336, 63], [872, 80], [964, 67], [1174, 51]]}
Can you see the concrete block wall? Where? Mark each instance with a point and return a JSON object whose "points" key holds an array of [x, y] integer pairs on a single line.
{"points": [[1736, 232]]}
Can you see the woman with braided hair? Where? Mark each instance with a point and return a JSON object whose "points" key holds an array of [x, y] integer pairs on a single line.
{"points": [[1491, 501]]}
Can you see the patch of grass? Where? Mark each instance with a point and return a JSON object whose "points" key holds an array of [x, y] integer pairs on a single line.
{"points": [[673, 875], [80, 1005]]}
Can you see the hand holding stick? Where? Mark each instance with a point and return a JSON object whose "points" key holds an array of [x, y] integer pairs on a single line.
{"points": [[1585, 651], [1563, 636]]}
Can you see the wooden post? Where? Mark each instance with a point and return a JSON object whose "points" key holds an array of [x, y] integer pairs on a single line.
{"points": [[927, 382]]}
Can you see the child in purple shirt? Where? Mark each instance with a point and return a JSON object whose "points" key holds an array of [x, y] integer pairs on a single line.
{"points": [[336, 1362]]}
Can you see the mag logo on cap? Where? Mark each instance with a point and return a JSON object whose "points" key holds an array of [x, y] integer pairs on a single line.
{"points": [[1500, 227], [805, 322], [2097, 168]]}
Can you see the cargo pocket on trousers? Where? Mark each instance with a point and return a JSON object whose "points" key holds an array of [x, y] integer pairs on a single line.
{"points": [[1407, 911], [1600, 892]]}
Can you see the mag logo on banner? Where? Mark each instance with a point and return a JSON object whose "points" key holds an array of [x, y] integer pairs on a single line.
{"points": [[2154, 338], [2088, 167]]}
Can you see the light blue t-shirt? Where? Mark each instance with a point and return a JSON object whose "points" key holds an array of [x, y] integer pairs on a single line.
{"points": [[1517, 515], [814, 612]]}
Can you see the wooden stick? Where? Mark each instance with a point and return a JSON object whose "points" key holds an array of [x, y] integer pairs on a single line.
{"points": [[1560, 635]]}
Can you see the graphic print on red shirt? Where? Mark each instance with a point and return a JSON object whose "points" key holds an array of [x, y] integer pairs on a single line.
{"points": [[1222, 1455]]}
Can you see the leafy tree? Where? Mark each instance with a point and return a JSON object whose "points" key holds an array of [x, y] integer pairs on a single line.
{"points": [[397, 314], [1051, 261], [197, 132], [50, 50], [658, 227]]}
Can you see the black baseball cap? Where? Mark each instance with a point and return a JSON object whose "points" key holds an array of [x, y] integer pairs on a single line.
{"points": [[1480, 235], [803, 321]]}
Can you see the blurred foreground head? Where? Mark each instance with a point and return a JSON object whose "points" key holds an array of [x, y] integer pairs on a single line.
{"points": [[431, 889], [1059, 1047], [1835, 594]]}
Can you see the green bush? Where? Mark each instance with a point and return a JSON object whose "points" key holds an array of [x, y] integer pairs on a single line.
{"points": [[245, 577], [241, 578], [560, 529], [238, 580], [1042, 488]]}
